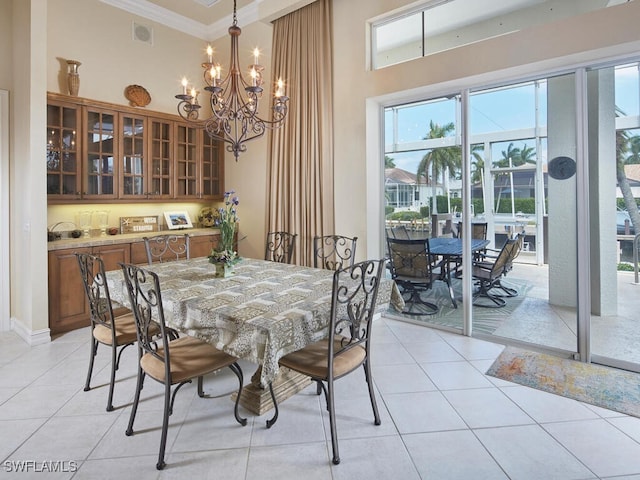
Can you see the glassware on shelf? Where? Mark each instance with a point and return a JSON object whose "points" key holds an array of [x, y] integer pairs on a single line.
{"points": [[84, 222], [102, 217]]}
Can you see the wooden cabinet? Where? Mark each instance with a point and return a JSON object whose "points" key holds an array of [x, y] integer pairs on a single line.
{"points": [[134, 169], [212, 174], [201, 245], [68, 305], [63, 157], [186, 161], [100, 152], [161, 154]]}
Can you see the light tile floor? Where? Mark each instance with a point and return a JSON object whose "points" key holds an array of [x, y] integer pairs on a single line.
{"points": [[442, 418]]}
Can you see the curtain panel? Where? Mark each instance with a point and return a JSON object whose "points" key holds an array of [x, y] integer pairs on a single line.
{"points": [[300, 166]]}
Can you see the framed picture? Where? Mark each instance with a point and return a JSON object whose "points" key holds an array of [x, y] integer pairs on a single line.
{"points": [[177, 220]]}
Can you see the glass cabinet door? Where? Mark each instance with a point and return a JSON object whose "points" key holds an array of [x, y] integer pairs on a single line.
{"points": [[99, 176], [186, 161], [132, 166], [160, 169], [212, 167], [63, 176]]}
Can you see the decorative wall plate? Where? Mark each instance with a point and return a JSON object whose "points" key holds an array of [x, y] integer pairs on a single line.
{"points": [[137, 95]]}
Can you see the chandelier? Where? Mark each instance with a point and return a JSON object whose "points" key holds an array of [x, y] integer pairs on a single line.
{"points": [[234, 101]]}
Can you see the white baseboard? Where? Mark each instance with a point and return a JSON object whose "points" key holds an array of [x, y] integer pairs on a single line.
{"points": [[32, 338]]}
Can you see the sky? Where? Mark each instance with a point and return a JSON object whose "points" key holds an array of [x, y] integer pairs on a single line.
{"points": [[497, 110]]}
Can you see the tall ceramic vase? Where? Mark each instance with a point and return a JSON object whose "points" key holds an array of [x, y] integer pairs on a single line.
{"points": [[73, 77]]}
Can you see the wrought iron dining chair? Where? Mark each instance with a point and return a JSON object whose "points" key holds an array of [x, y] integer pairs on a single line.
{"points": [[280, 246], [168, 247], [489, 272], [334, 252], [173, 360], [348, 346], [414, 270], [117, 333]]}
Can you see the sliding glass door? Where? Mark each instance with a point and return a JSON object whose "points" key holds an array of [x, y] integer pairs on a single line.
{"points": [[613, 96], [552, 163]]}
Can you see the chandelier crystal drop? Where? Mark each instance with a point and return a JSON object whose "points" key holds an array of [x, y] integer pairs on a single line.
{"points": [[234, 101]]}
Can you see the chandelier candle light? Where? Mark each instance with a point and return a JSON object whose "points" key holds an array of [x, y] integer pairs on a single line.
{"points": [[234, 101]]}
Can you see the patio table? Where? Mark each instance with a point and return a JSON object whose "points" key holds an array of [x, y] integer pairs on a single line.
{"points": [[450, 249]]}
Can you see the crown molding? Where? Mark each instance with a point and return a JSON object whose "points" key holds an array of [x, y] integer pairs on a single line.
{"points": [[171, 19]]}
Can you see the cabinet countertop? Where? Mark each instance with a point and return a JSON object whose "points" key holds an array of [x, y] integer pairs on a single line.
{"points": [[123, 238]]}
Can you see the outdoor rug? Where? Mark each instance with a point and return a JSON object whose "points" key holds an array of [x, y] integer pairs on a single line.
{"points": [[610, 388], [485, 320]]}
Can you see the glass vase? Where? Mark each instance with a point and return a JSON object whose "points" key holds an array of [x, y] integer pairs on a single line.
{"points": [[223, 269], [227, 232]]}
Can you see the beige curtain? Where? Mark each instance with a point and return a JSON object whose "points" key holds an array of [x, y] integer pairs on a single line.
{"points": [[300, 171]]}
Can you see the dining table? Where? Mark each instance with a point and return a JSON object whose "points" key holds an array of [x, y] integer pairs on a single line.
{"points": [[260, 313], [450, 250]]}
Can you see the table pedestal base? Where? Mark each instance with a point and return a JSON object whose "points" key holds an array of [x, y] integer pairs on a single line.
{"points": [[258, 400]]}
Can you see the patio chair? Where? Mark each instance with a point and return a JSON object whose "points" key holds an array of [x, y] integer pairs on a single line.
{"points": [[414, 270], [478, 231], [162, 248], [333, 252], [280, 246], [172, 360], [400, 231], [348, 346], [517, 248], [488, 273]]}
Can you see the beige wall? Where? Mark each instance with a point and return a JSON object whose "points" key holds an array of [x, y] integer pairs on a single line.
{"points": [[5, 44], [111, 60], [27, 178]]}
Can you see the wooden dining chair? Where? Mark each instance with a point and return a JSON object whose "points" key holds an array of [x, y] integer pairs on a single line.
{"points": [[348, 346], [173, 360], [334, 252], [117, 333], [280, 246], [167, 247]]}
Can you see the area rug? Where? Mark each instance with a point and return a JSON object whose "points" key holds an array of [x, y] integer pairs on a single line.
{"points": [[614, 389], [485, 320]]}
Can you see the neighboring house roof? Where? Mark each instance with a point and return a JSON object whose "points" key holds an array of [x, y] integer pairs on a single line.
{"points": [[633, 173], [398, 175]]}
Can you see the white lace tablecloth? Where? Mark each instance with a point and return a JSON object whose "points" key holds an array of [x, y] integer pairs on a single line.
{"points": [[261, 313]]}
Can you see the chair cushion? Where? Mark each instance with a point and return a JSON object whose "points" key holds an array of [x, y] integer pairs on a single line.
{"points": [[313, 360], [190, 358], [125, 331]]}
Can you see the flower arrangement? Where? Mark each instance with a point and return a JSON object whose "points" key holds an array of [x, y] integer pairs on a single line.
{"points": [[226, 221]]}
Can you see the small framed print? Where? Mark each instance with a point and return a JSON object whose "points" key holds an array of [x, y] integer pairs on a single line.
{"points": [[177, 220]]}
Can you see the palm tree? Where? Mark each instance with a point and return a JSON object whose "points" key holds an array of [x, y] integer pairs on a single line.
{"points": [[439, 160], [477, 162], [627, 144], [509, 156], [389, 162], [527, 155]]}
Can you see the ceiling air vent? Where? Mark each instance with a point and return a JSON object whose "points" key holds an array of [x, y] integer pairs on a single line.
{"points": [[142, 33]]}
